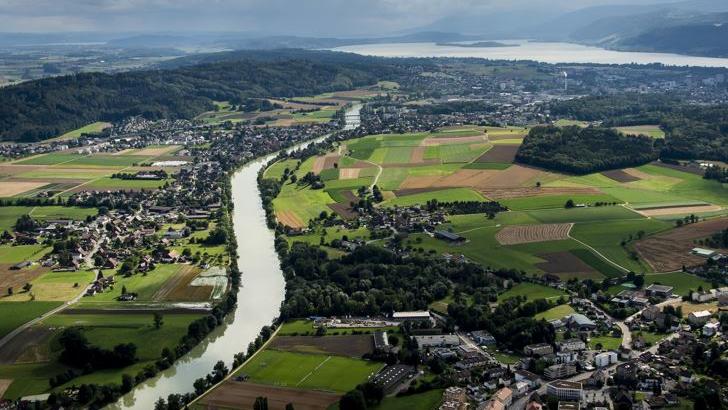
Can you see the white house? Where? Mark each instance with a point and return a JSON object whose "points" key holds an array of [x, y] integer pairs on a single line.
{"points": [[605, 359]]}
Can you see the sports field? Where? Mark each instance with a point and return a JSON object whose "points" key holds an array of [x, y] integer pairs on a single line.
{"points": [[309, 371]]}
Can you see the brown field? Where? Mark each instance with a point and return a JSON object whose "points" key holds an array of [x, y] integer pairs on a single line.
{"points": [[419, 182], [343, 209], [678, 210], [499, 153], [566, 265], [4, 384], [349, 173], [512, 177], [289, 218], [178, 287], [17, 278], [620, 176], [517, 234], [348, 345], [9, 170], [28, 347], [325, 162], [434, 141], [12, 188], [688, 308], [499, 137], [669, 251], [412, 191], [510, 193], [468, 178], [693, 170], [241, 395]]}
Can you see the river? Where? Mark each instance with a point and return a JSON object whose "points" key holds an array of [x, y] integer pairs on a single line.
{"points": [[259, 296], [536, 51]]}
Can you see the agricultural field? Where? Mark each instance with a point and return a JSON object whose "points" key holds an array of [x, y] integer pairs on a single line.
{"points": [[39, 352], [93, 128], [15, 314], [609, 230], [555, 313], [653, 131], [532, 291]]}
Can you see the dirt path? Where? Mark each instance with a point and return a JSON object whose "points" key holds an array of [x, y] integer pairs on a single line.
{"points": [[622, 268]]}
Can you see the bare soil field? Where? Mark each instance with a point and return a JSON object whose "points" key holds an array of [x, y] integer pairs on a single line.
{"points": [[511, 193], [289, 218], [418, 155], [347, 345], [512, 177], [468, 178], [325, 162], [565, 264], [349, 173], [620, 176], [14, 169], [669, 251], [178, 288], [241, 395], [419, 182], [678, 210], [27, 347], [413, 191], [517, 234], [693, 170], [4, 384], [435, 141], [499, 153], [156, 151], [343, 210], [12, 188], [15, 279]]}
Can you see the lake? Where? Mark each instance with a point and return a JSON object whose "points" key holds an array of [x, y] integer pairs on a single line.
{"points": [[536, 51]]}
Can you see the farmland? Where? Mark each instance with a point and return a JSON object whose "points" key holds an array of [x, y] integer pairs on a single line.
{"points": [[599, 237]]}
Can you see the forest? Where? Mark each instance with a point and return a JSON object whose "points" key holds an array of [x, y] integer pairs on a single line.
{"points": [[42, 109], [691, 132], [584, 150]]}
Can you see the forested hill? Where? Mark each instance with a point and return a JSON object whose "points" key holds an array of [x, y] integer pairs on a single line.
{"points": [[46, 108]]}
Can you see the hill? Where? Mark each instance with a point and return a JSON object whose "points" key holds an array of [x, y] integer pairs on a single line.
{"points": [[46, 108]]}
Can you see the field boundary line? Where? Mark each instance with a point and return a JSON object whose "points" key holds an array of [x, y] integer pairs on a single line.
{"points": [[233, 371], [598, 253], [312, 371]]}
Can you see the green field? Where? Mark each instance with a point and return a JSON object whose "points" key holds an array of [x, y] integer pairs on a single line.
{"points": [[681, 281], [653, 131], [309, 371], [118, 183], [14, 314], [94, 128], [429, 400], [443, 195], [555, 313], [146, 286], [554, 201], [607, 342], [55, 286], [532, 291], [62, 212]]}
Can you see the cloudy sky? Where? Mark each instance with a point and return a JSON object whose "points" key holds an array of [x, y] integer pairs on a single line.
{"points": [[303, 17]]}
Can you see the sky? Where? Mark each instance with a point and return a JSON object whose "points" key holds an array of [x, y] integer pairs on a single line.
{"points": [[299, 17]]}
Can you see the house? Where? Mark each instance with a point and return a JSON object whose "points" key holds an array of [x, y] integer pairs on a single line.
{"points": [[659, 291], [532, 379], [392, 376], [504, 395], [380, 341], [540, 349], [650, 313], [605, 359], [564, 390], [559, 371], [520, 388], [710, 329], [482, 337], [571, 345], [437, 341], [577, 321], [699, 318], [449, 236]]}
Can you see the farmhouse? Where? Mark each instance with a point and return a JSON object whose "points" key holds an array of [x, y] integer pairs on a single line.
{"points": [[660, 291], [699, 318], [706, 253], [449, 236]]}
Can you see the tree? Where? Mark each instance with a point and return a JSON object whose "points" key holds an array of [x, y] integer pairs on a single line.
{"points": [[289, 406], [639, 281], [261, 403], [25, 224], [569, 204], [353, 400], [158, 320], [27, 287], [127, 383]]}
